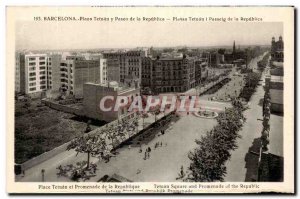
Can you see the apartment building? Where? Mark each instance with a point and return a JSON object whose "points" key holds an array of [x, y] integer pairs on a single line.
{"points": [[275, 75], [201, 70], [171, 74], [102, 67], [147, 69], [53, 72], [17, 71], [115, 66], [133, 67], [125, 66], [75, 72], [94, 93], [33, 74]]}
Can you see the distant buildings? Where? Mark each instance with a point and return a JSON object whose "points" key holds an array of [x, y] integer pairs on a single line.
{"points": [[222, 56], [274, 79], [66, 73], [277, 50]]}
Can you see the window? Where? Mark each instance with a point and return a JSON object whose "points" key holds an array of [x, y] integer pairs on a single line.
{"points": [[42, 58], [32, 84], [42, 72], [42, 68], [31, 58], [32, 79], [31, 64], [32, 68], [42, 63], [32, 74], [32, 89]]}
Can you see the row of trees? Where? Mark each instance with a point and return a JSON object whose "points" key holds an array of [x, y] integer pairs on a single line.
{"points": [[213, 150], [100, 146], [252, 80], [208, 159], [263, 63], [266, 121]]}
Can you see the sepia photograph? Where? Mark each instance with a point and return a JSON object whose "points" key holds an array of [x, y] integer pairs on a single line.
{"points": [[137, 96]]}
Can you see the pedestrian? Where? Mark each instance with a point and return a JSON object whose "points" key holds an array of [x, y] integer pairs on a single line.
{"points": [[94, 169], [149, 149], [145, 155], [160, 143]]}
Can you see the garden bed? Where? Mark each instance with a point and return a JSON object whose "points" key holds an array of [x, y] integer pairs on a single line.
{"points": [[206, 114]]}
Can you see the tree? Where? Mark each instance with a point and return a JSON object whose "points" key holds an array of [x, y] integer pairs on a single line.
{"points": [[91, 145], [144, 115], [156, 111]]}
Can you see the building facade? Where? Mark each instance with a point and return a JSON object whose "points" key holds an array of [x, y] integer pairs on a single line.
{"points": [[94, 93], [38, 73], [33, 74], [125, 67], [171, 74], [76, 72], [201, 70], [275, 76], [17, 71], [115, 61], [277, 48], [102, 67]]}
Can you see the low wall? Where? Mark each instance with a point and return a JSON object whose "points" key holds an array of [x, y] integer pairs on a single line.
{"points": [[44, 156], [49, 154], [63, 108], [153, 125]]}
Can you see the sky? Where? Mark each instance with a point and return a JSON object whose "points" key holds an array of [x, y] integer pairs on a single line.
{"points": [[91, 35]]}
